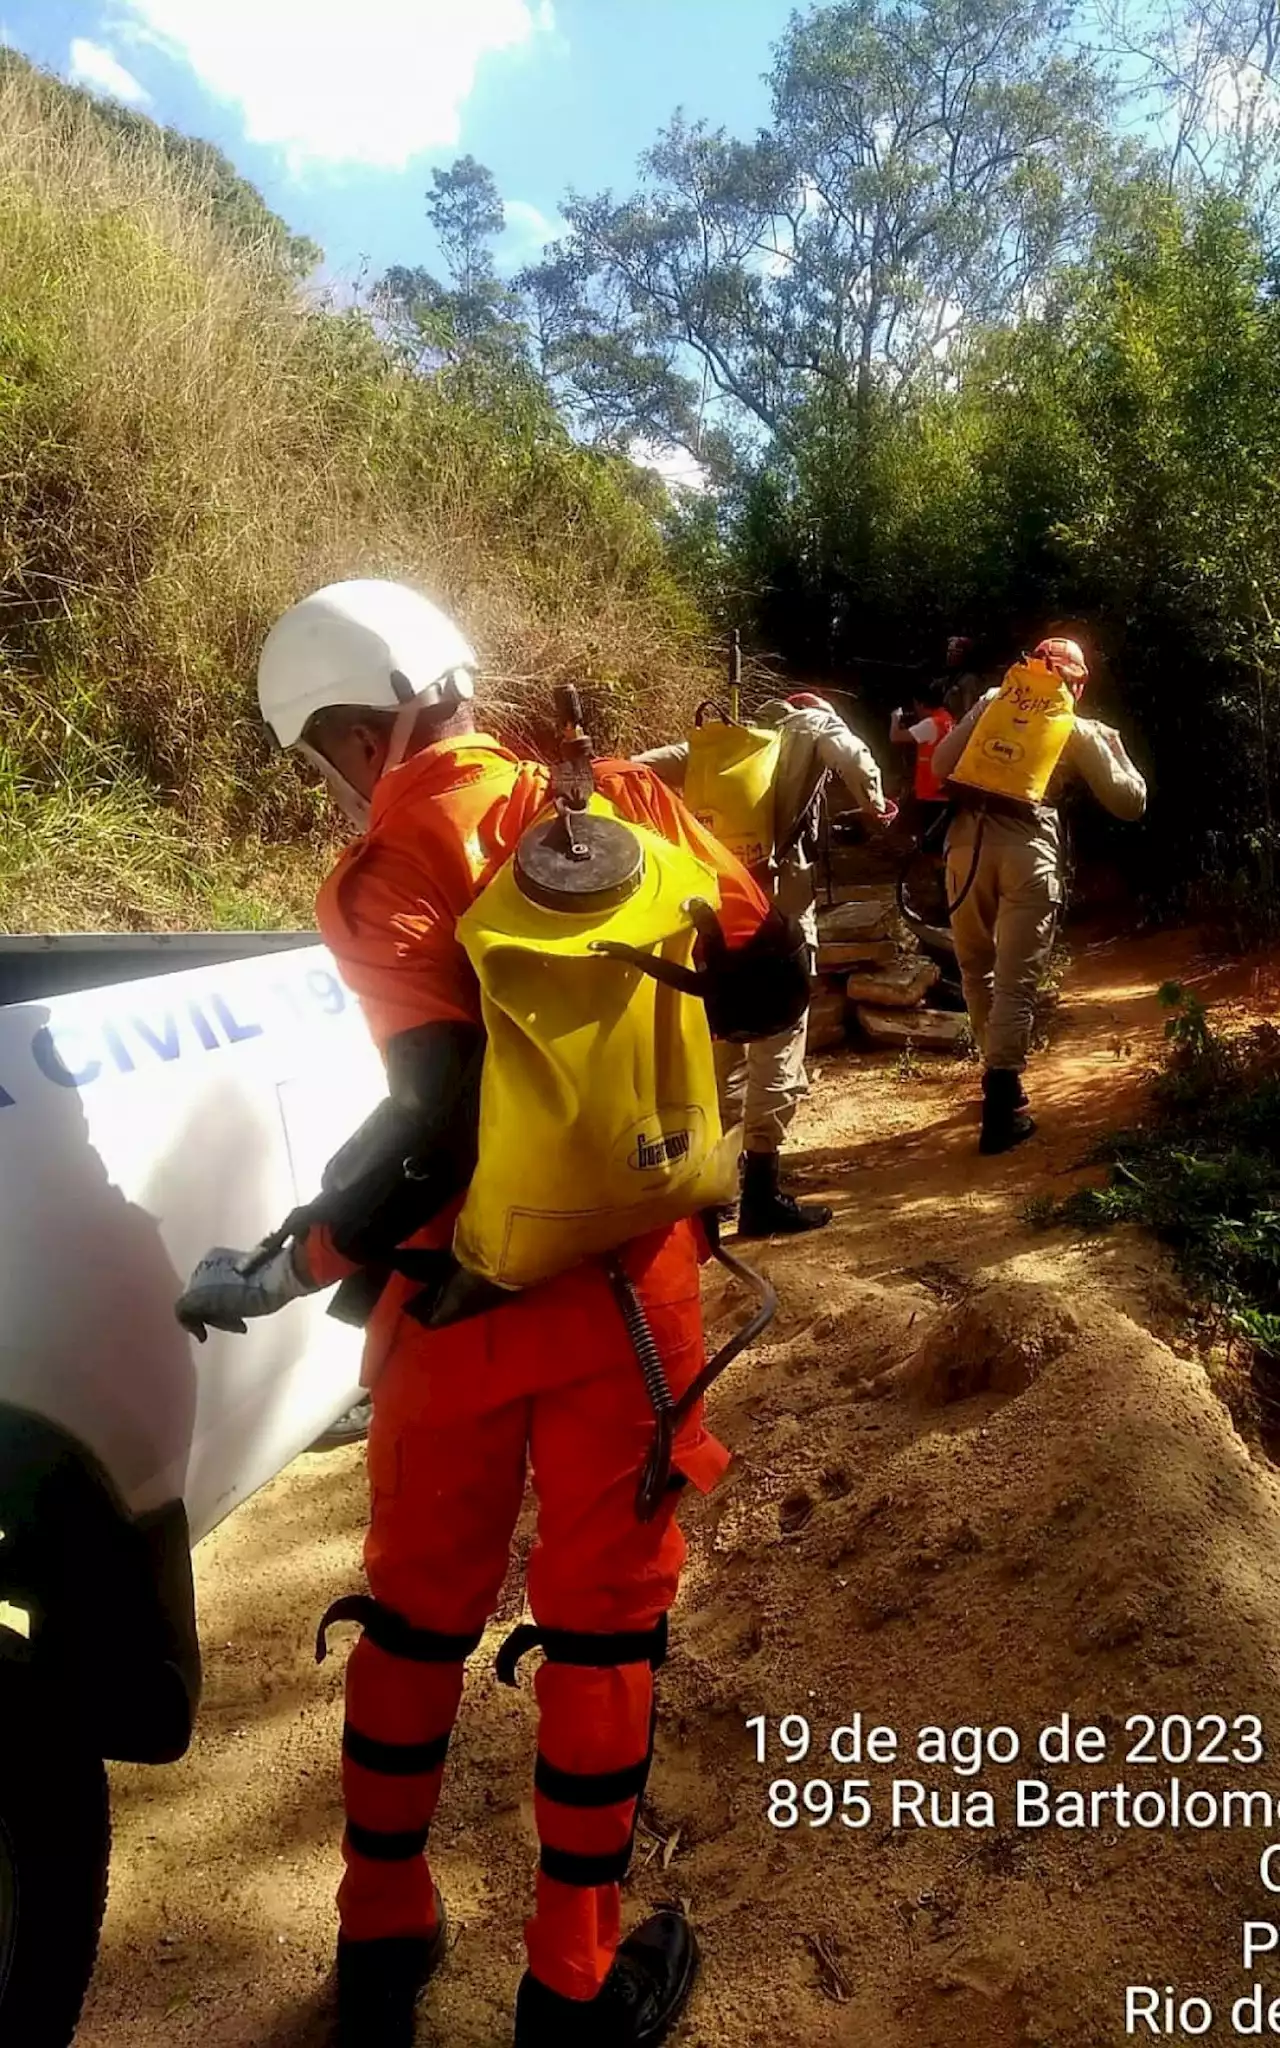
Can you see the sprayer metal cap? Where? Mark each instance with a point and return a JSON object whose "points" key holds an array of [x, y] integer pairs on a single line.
{"points": [[548, 876]]}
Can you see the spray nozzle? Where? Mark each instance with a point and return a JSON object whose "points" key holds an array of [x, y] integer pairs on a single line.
{"points": [[573, 777], [569, 714]]}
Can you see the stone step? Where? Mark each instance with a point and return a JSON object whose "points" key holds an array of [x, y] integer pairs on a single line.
{"points": [[842, 954], [849, 889], [855, 921], [828, 1021], [917, 1030], [903, 986]]}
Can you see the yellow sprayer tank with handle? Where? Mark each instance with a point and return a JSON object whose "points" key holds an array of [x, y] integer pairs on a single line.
{"points": [[598, 1110], [1020, 737], [729, 783]]}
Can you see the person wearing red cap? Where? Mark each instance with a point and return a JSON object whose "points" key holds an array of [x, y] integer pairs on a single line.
{"points": [[1004, 883], [762, 1085]]}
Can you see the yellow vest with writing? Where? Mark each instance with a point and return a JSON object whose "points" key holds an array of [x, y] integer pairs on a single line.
{"points": [[598, 1110]]}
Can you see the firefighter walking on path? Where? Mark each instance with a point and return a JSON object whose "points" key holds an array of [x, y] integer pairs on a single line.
{"points": [[1006, 766], [927, 727], [373, 687], [763, 1084]]}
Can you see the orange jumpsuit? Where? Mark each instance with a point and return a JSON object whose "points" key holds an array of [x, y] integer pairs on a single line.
{"points": [[549, 1382]]}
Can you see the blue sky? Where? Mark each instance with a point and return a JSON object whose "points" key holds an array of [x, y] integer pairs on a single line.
{"points": [[338, 109]]}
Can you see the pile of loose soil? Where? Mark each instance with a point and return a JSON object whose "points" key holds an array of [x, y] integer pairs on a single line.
{"points": [[981, 1478]]}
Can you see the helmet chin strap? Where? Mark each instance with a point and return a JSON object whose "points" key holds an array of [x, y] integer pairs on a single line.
{"points": [[401, 734], [354, 807], [458, 689]]}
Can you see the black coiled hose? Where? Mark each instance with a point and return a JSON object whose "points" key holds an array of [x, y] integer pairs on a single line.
{"points": [[1066, 870], [936, 830], [656, 1475], [668, 1414]]}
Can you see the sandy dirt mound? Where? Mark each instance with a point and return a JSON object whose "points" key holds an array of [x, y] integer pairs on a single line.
{"points": [[980, 1479]]}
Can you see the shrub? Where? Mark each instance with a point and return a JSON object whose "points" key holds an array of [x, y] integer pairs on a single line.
{"points": [[188, 442]]}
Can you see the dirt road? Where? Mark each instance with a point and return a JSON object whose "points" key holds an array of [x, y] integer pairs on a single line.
{"points": [[980, 1478]]}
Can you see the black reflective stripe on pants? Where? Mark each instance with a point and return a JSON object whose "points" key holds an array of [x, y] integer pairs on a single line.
{"points": [[394, 1759], [592, 1652], [584, 1873], [590, 1789], [380, 1846], [588, 1871], [393, 1634]]}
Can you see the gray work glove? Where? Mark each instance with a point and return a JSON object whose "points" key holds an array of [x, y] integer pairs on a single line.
{"points": [[220, 1295]]}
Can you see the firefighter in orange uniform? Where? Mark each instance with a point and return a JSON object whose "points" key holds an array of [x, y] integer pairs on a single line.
{"points": [[374, 686]]}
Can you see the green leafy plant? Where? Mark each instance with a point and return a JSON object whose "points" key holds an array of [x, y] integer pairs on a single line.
{"points": [[1204, 1173]]}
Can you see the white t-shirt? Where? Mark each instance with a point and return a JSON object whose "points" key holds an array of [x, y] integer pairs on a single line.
{"points": [[925, 733]]}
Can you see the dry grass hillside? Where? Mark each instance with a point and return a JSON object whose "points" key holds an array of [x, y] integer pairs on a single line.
{"points": [[188, 441]]}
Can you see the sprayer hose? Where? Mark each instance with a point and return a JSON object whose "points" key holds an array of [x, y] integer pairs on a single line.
{"points": [[656, 1476]]}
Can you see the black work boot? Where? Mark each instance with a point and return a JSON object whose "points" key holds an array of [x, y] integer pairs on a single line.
{"points": [[765, 1211], [1005, 1122], [381, 1982], [639, 2003]]}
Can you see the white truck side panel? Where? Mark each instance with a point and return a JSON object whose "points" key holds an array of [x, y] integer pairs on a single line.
{"points": [[139, 1125]]}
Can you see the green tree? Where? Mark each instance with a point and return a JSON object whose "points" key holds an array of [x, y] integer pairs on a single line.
{"points": [[927, 162], [475, 315], [1177, 382], [1207, 76]]}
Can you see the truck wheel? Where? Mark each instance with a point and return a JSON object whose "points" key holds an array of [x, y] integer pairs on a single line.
{"points": [[55, 1844], [351, 1428]]}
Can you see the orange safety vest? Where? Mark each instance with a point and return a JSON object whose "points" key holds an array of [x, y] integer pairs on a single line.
{"points": [[927, 786]]}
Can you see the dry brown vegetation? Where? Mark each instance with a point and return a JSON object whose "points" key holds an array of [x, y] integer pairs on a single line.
{"points": [[188, 441]]}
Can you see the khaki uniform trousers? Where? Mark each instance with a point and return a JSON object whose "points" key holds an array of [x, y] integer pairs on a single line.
{"points": [[761, 1086], [1004, 928]]}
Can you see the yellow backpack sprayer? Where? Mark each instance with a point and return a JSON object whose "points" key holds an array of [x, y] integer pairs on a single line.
{"points": [[598, 1116], [729, 782], [1018, 741], [598, 1110], [1020, 738]]}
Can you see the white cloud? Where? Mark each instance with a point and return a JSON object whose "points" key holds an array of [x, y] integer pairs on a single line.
{"points": [[678, 469], [376, 83], [95, 67], [528, 231], [1235, 93]]}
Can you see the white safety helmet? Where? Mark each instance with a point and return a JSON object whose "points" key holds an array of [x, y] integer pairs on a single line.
{"points": [[361, 643]]}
